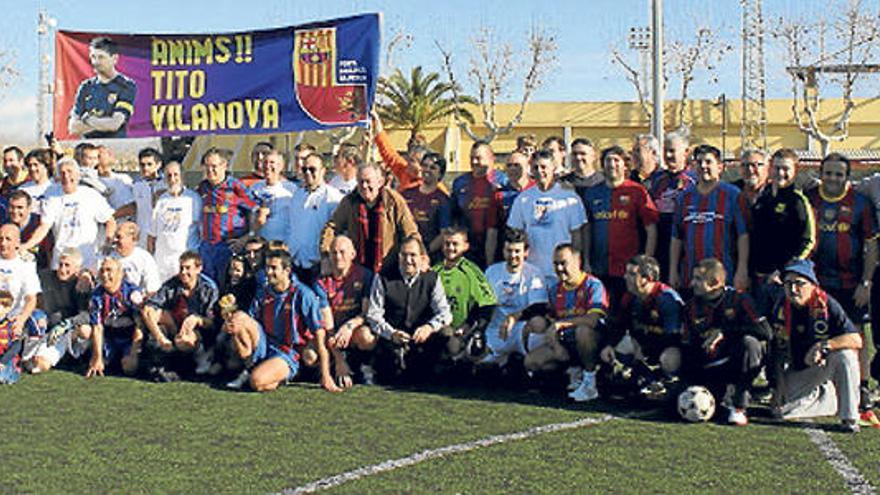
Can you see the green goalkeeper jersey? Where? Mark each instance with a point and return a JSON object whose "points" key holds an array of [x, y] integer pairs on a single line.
{"points": [[466, 288]]}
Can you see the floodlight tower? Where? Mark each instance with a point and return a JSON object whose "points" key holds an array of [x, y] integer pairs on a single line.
{"points": [[45, 24], [753, 124]]}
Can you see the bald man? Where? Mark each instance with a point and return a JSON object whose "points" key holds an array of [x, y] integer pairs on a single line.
{"points": [[137, 263], [347, 291]]}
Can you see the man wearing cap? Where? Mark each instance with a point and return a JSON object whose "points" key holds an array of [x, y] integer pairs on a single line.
{"points": [[815, 351]]}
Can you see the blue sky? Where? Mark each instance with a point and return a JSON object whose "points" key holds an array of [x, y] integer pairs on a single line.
{"points": [[585, 30]]}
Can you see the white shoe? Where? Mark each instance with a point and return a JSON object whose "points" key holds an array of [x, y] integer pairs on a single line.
{"points": [[203, 360], [575, 377], [587, 390], [737, 417], [239, 382]]}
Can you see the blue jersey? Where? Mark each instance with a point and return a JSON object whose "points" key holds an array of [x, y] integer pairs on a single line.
{"points": [[100, 99], [289, 318], [116, 311], [587, 296], [708, 226]]}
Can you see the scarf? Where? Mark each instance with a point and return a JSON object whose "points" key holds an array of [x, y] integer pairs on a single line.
{"points": [[817, 309], [370, 243]]}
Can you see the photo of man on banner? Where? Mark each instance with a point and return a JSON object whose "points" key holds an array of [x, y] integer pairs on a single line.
{"points": [[104, 103]]}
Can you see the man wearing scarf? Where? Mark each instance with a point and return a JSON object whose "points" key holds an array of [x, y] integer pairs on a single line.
{"points": [[375, 217], [816, 350]]}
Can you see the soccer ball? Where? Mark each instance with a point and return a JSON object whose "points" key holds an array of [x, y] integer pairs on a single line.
{"points": [[696, 404]]}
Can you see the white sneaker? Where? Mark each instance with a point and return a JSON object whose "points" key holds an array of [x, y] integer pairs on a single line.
{"points": [[737, 417], [575, 377], [203, 360], [587, 390], [239, 382], [369, 374]]}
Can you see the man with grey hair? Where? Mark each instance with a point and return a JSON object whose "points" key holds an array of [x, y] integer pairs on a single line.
{"points": [[646, 158], [375, 217], [665, 187], [754, 171], [74, 216]]}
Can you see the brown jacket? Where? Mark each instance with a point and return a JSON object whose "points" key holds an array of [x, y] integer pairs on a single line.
{"points": [[398, 224]]}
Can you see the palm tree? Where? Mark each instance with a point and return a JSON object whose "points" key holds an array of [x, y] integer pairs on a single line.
{"points": [[416, 102]]}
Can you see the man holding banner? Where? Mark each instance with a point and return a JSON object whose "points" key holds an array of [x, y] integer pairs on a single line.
{"points": [[104, 103]]}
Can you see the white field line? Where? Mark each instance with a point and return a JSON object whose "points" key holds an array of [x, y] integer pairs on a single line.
{"points": [[429, 454], [838, 460]]}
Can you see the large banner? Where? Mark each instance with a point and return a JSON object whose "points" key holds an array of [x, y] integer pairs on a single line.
{"points": [[314, 76]]}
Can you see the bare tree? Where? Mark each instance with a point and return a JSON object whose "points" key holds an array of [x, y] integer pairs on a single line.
{"points": [[8, 68], [399, 40], [492, 71], [683, 61], [839, 49]]}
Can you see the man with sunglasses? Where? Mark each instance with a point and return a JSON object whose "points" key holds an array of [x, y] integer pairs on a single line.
{"points": [[754, 175], [311, 207], [815, 351], [846, 253]]}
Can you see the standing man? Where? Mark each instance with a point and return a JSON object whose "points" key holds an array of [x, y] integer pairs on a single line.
{"points": [[147, 188], [273, 195], [14, 168], [259, 159], [375, 217], [20, 215], [118, 185], [74, 216], [18, 277], [846, 250], [619, 213], [174, 227], [556, 146], [226, 207], [103, 103], [408, 169], [754, 175], [549, 214], [666, 185], [784, 214], [820, 345], [709, 223], [346, 164], [646, 159], [311, 207], [429, 204], [583, 166], [475, 203]]}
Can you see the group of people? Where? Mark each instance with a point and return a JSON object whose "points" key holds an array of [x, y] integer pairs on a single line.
{"points": [[632, 277]]}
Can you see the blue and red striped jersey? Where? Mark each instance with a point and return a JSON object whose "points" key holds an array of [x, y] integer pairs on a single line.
{"points": [[616, 217], [708, 226], [587, 296], [843, 225], [225, 209], [475, 202], [289, 319]]}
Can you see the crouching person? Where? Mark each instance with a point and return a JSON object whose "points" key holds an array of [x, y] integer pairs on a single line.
{"points": [[578, 306], [817, 347], [725, 338], [180, 317], [116, 339], [645, 338], [346, 289], [408, 308], [270, 337]]}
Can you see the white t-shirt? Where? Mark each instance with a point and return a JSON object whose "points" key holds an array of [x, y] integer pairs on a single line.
{"points": [[309, 212], [277, 199], [175, 225], [342, 185], [143, 191], [19, 277], [548, 218], [515, 291], [38, 193], [120, 189], [75, 218], [140, 269]]}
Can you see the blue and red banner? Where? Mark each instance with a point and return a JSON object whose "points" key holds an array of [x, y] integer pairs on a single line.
{"points": [[309, 77]]}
